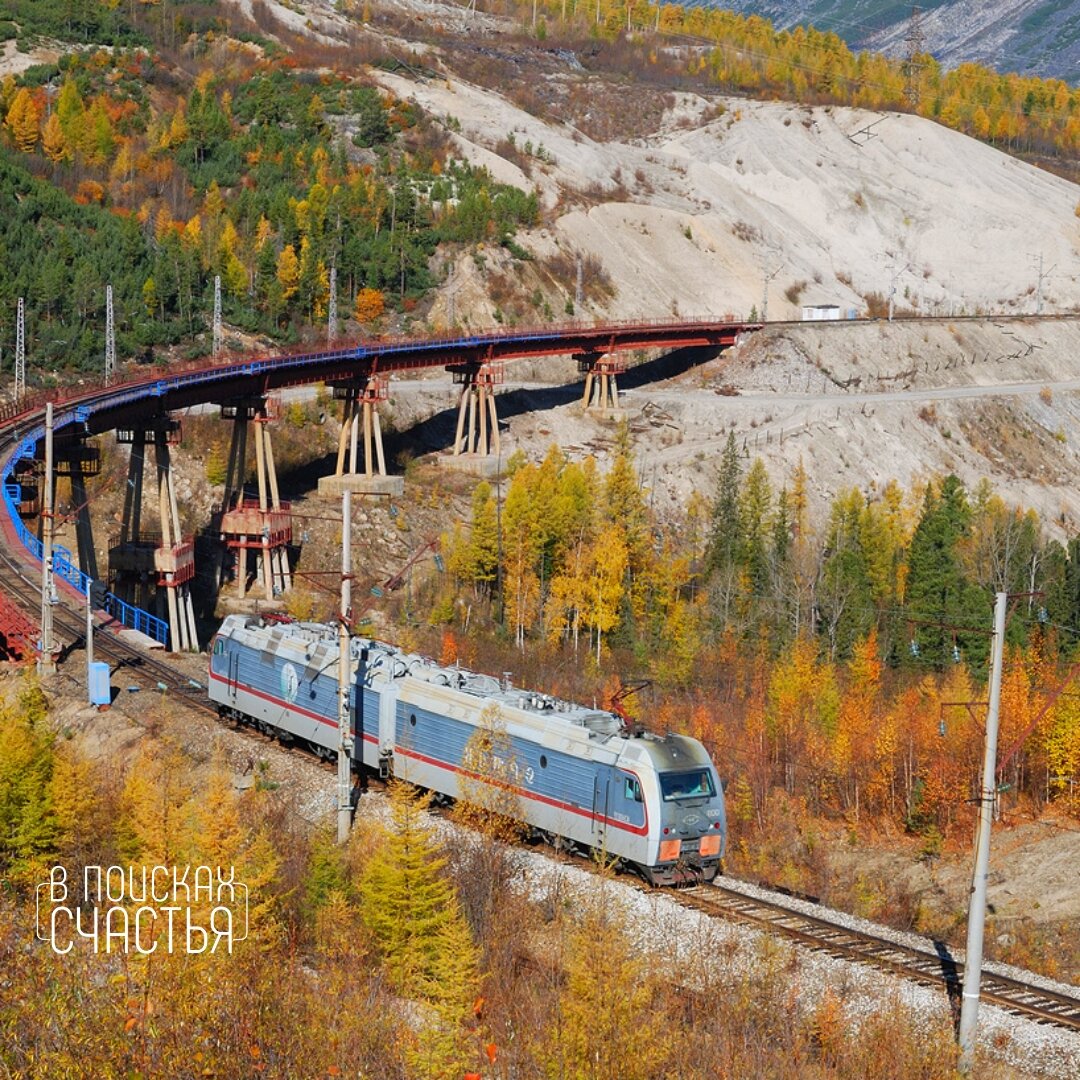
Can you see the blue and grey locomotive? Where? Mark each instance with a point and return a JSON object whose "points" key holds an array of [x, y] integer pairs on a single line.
{"points": [[655, 804]]}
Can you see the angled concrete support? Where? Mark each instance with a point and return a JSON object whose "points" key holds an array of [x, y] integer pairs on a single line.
{"points": [[360, 419], [601, 387], [263, 524], [361, 413], [477, 429]]}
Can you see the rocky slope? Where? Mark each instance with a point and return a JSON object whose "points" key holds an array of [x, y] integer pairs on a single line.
{"points": [[1033, 37]]}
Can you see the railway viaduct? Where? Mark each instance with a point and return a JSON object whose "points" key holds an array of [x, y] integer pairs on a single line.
{"points": [[154, 568]]}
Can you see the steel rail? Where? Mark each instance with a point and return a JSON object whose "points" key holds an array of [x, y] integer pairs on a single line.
{"points": [[819, 933]]}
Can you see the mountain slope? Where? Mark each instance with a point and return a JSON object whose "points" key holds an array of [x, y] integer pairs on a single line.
{"points": [[1033, 37]]}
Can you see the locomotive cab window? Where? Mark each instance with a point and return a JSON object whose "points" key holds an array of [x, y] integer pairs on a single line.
{"points": [[219, 646], [632, 789], [697, 784]]}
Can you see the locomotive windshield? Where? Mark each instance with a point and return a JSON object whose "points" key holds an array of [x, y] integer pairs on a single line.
{"points": [[687, 785]]}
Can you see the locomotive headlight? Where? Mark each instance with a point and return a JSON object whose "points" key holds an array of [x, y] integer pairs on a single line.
{"points": [[709, 844], [669, 850]]}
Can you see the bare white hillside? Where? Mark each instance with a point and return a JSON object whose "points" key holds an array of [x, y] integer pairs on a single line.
{"points": [[691, 218]]}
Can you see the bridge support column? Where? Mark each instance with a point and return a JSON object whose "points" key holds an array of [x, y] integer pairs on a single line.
{"points": [[174, 558], [76, 461], [477, 429], [361, 418], [262, 525], [165, 559], [601, 387]]}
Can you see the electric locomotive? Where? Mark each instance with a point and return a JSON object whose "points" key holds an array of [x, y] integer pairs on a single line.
{"points": [[579, 776]]}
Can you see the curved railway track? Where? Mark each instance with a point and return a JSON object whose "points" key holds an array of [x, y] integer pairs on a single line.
{"points": [[921, 966], [124, 657], [819, 933], [917, 965]]}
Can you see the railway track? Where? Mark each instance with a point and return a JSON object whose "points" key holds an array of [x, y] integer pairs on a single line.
{"points": [[917, 965], [124, 657], [922, 966]]}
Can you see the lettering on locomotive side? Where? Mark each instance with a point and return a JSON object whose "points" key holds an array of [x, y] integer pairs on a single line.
{"points": [[190, 909]]}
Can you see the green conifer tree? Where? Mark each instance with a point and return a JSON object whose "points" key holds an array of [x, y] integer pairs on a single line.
{"points": [[415, 920], [937, 589]]}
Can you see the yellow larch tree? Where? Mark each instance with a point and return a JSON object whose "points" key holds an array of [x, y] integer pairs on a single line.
{"points": [[416, 922], [22, 121], [288, 272], [53, 142], [612, 1016]]}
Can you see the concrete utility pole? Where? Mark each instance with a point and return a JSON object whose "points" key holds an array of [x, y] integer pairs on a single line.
{"points": [[46, 661], [89, 633], [344, 640], [969, 1009], [579, 288]]}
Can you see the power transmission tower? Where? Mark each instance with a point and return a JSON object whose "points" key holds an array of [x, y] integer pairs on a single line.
{"points": [[218, 339], [916, 45], [331, 320], [110, 338], [20, 353]]}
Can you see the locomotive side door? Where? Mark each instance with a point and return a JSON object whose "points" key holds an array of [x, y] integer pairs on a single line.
{"points": [[233, 673], [601, 794]]}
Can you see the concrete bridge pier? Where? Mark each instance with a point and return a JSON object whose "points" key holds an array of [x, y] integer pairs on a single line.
{"points": [[361, 414], [601, 386], [262, 525], [174, 558], [477, 429], [161, 565]]}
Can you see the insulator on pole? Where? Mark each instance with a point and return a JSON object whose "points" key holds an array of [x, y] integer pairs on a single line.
{"points": [[331, 325], [110, 337], [20, 353], [218, 338]]}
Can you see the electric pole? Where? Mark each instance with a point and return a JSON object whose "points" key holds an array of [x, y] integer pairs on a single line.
{"points": [[767, 276], [1043, 275], [218, 339], [46, 661], [20, 353], [110, 337], [969, 1009], [579, 288], [331, 327], [916, 44], [892, 285], [344, 820]]}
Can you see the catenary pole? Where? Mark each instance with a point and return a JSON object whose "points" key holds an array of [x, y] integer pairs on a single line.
{"points": [[969, 1009], [47, 661], [344, 666]]}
